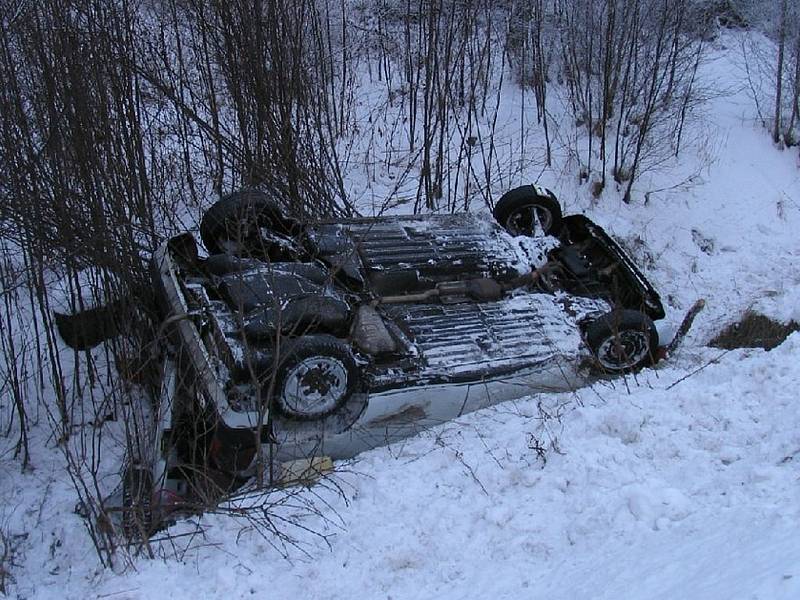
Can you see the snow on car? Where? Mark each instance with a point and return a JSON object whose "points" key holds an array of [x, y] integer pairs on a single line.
{"points": [[331, 337]]}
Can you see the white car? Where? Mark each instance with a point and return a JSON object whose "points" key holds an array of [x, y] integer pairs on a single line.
{"points": [[335, 336]]}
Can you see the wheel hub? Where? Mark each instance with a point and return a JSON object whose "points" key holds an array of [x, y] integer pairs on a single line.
{"points": [[623, 350], [316, 385]]}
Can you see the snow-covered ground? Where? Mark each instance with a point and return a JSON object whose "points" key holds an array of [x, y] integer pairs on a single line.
{"points": [[688, 492], [683, 482]]}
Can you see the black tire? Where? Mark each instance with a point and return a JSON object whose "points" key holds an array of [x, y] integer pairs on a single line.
{"points": [[316, 376], [235, 216], [622, 341], [515, 209], [137, 499]]}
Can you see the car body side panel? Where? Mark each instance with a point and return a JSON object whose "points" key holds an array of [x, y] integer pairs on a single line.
{"points": [[393, 415]]}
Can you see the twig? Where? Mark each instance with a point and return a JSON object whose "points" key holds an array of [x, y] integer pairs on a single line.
{"points": [[685, 377], [117, 592]]}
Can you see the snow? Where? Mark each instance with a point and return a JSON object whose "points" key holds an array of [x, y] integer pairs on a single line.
{"points": [[681, 482], [90, 289], [661, 492]]}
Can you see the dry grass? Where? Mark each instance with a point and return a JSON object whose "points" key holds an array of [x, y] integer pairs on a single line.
{"points": [[754, 331]]}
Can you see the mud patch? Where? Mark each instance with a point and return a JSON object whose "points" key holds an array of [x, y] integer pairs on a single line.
{"points": [[754, 331]]}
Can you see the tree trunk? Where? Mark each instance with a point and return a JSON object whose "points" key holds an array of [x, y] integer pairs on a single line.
{"points": [[776, 126]]}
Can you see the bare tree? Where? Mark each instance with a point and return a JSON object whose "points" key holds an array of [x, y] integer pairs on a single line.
{"points": [[776, 126]]}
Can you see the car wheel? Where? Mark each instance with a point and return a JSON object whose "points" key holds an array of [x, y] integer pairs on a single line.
{"points": [[524, 211], [235, 220], [622, 341], [316, 376], [137, 499]]}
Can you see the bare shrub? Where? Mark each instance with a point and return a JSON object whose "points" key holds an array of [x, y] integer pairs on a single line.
{"points": [[773, 70], [633, 86], [629, 70], [116, 122], [9, 545]]}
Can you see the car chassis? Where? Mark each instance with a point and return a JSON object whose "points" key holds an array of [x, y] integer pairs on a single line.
{"points": [[332, 337]]}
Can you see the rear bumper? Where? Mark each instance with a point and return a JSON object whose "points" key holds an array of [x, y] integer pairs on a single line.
{"points": [[650, 301]]}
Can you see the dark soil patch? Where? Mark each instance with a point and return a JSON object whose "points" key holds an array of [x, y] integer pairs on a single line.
{"points": [[754, 331]]}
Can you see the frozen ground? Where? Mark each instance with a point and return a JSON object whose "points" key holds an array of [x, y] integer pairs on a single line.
{"points": [[681, 483]]}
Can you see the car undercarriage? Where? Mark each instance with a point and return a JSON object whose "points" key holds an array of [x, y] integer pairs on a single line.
{"points": [[331, 337]]}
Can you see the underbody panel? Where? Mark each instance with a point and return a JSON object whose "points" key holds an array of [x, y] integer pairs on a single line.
{"points": [[457, 342], [410, 254], [442, 352]]}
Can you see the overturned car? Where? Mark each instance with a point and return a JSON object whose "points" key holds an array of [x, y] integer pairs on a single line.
{"points": [[331, 337]]}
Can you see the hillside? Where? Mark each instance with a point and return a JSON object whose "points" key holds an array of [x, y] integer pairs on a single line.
{"points": [[681, 482]]}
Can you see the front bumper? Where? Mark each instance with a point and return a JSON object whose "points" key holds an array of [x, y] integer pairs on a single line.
{"points": [[194, 358]]}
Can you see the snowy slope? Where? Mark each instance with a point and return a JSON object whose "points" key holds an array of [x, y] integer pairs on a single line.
{"points": [[688, 492], [681, 483], [731, 234]]}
